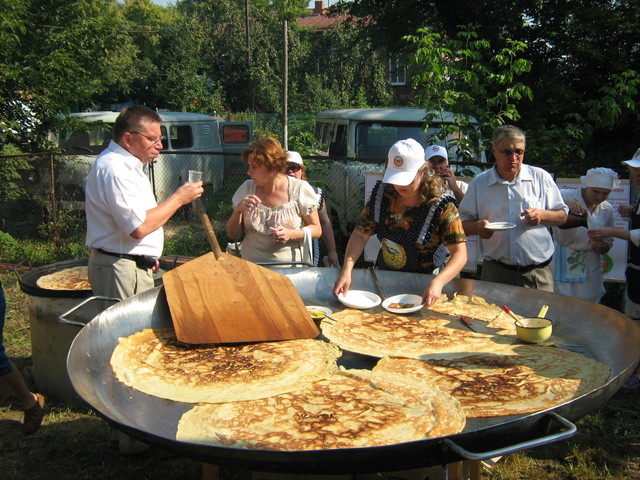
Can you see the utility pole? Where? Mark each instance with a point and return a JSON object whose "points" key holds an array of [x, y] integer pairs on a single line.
{"points": [[248, 43], [285, 86]]}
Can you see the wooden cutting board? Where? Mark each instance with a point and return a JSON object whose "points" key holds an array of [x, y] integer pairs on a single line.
{"points": [[230, 300], [219, 298]]}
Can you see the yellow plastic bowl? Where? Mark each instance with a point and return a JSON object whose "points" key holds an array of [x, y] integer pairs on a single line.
{"points": [[534, 329]]}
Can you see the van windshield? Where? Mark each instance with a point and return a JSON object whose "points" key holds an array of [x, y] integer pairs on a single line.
{"points": [[373, 139]]}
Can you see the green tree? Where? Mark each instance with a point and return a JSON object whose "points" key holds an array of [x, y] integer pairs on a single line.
{"points": [[579, 50], [186, 81], [151, 29], [60, 55], [454, 74], [342, 70]]}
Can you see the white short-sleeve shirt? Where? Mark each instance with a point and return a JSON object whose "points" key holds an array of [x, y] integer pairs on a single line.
{"points": [[491, 197], [117, 196]]}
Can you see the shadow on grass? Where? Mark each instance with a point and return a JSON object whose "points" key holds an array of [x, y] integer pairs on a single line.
{"points": [[73, 443]]}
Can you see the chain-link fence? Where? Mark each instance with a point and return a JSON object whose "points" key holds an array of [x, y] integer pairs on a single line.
{"points": [[45, 198]]}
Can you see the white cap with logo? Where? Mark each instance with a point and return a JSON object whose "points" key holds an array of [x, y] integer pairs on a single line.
{"points": [[405, 159], [436, 151]]}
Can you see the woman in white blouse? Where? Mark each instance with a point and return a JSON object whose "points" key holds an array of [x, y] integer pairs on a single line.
{"points": [[275, 214]]}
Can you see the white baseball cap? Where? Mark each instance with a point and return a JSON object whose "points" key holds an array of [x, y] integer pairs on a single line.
{"points": [[635, 161], [436, 151], [405, 159], [294, 157]]}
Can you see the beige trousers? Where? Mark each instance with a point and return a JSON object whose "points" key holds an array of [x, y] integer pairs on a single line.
{"points": [[115, 277], [538, 278]]}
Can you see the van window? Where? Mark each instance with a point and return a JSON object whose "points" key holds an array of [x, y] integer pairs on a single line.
{"points": [[338, 148], [235, 134], [180, 136], [93, 140], [373, 139], [323, 136]]}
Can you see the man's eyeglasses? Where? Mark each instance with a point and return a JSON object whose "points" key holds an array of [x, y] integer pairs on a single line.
{"points": [[294, 167], [508, 153], [151, 139]]}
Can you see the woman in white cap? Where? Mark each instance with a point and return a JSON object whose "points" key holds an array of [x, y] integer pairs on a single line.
{"points": [[296, 169], [578, 258], [632, 298], [411, 218]]}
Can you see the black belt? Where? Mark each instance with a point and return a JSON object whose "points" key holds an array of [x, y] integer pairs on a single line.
{"points": [[523, 268], [142, 261]]}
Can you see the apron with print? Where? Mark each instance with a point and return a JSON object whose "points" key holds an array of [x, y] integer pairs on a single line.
{"points": [[398, 249]]}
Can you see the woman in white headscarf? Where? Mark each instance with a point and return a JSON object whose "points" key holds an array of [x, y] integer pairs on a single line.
{"points": [[578, 258]]}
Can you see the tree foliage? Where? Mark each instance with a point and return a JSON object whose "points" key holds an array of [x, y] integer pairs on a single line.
{"points": [[342, 71], [584, 65], [453, 74], [574, 88]]}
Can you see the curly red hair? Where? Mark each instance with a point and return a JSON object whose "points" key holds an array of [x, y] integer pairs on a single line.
{"points": [[266, 152]]}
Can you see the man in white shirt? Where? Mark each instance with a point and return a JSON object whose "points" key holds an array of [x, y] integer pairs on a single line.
{"points": [[124, 222], [523, 196]]}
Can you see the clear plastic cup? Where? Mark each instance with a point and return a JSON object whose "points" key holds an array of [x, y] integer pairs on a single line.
{"points": [[195, 176]]}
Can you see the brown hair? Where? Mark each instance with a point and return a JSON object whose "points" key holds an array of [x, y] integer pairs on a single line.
{"points": [[134, 118], [431, 185], [267, 152]]}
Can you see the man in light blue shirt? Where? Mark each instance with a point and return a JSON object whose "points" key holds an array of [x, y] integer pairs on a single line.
{"points": [[523, 202]]}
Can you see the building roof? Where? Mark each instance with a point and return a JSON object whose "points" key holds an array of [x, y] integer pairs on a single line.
{"points": [[318, 19]]}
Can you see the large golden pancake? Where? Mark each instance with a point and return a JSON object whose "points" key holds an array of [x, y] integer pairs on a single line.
{"points": [[386, 334], [74, 278], [492, 318], [527, 378], [355, 408], [156, 363]]}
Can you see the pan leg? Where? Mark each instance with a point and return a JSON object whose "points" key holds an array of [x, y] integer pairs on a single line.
{"points": [[210, 471]]}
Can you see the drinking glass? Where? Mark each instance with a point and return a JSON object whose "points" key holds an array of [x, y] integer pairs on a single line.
{"points": [[195, 176]]}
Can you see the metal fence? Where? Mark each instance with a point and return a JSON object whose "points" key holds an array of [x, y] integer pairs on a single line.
{"points": [[49, 187], [46, 200]]}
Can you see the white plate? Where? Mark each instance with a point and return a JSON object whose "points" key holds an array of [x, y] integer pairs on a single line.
{"points": [[360, 299], [500, 226], [404, 298], [316, 308]]}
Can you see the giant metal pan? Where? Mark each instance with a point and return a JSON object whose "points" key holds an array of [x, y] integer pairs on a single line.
{"points": [[606, 335]]}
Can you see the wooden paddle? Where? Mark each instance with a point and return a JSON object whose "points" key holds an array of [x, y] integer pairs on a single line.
{"points": [[219, 298]]}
